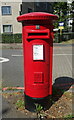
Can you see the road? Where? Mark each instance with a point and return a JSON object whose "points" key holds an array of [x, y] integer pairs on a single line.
{"points": [[12, 70]]}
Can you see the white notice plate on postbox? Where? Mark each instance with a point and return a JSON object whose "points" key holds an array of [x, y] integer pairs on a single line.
{"points": [[37, 52]]}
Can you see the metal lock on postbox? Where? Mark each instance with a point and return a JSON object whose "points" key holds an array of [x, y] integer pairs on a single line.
{"points": [[37, 36]]}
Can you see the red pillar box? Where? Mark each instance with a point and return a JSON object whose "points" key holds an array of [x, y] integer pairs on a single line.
{"points": [[37, 34]]}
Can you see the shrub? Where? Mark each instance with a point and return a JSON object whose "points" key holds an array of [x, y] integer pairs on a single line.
{"points": [[11, 38], [56, 37]]}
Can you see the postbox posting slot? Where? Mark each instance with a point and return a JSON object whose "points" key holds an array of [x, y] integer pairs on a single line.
{"points": [[41, 34], [31, 34]]}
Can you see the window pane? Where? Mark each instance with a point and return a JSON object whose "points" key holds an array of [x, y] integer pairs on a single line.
{"points": [[7, 28], [6, 10]]}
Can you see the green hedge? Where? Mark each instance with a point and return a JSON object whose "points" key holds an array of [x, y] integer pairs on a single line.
{"points": [[17, 38], [64, 37], [56, 38], [11, 38]]}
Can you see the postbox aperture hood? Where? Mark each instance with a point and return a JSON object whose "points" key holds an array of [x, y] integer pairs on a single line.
{"points": [[37, 16]]}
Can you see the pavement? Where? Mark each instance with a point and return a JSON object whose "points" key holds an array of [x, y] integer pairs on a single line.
{"points": [[11, 46], [19, 45], [9, 111], [12, 71]]}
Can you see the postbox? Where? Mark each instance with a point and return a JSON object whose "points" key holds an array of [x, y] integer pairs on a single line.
{"points": [[37, 37]]}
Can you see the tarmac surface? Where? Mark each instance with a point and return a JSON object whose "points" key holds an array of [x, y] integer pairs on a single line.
{"points": [[12, 70]]}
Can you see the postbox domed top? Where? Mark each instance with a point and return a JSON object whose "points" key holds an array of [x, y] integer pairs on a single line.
{"points": [[37, 16]]}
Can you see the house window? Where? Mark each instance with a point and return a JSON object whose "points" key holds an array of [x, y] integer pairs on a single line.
{"points": [[6, 10], [7, 28]]}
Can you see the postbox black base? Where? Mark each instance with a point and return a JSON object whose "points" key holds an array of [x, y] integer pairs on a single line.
{"points": [[30, 103]]}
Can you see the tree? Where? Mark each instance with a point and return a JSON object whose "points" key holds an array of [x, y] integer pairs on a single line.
{"points": [[73, 16], [60, 9], [65, 12]]}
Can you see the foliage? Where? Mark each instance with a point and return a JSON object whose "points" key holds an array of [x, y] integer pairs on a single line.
{"points": [[60, 9], [38, 107], [11, 38], [20, 104], [38, 110], [73, 16], [70, 116], [65, 12]]}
